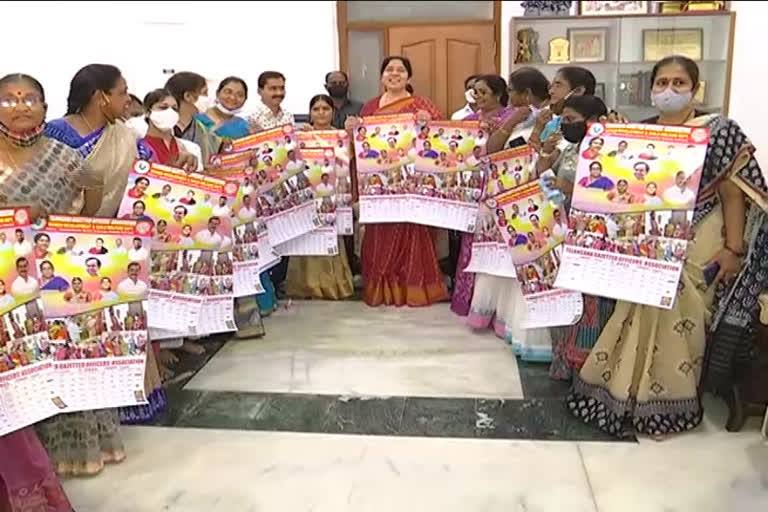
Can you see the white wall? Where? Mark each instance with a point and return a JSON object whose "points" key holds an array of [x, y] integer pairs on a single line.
{"points": [[749, 75], [214, 39]]}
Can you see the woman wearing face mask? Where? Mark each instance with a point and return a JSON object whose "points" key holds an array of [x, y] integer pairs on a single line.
{"points": [[320, 277], [190, 91], [223, 117], [56, 176], [571, 345], [159, 144], [654, 356], [399, 259]]}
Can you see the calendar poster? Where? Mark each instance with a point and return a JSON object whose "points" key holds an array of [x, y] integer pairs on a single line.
{"points": [[449, 146], [637, 257], [385, 152], [253, 254], [339, 141], [19, 280], [639, 167], [27, 383], [186, 210], [490, 254], [192, 291], [270, 147], [508, 169], [546, 305], [99, 357], [530, 224], [92, 263]]}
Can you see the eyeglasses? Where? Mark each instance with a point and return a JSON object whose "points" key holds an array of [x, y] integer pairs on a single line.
{"points": [[30, 100]]}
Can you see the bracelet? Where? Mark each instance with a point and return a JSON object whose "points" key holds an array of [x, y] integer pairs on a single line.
{"points": [[739, 254]]}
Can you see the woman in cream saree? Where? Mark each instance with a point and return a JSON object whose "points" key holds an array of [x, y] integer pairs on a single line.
{"points": [[644, 371]]}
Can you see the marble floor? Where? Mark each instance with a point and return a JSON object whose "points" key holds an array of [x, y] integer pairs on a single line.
{"points": [[347, 408]]}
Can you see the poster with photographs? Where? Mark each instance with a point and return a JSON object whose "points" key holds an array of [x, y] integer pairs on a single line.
{"points": [[639, 167], [529, 223], [622, 243], [99, 357], [192, 291], [339, 141], [91, 263], [384, 152], [253, 254], [320, 184], [449, 146], [490, 254], [508, 169], [180, 206], [546, 305]]}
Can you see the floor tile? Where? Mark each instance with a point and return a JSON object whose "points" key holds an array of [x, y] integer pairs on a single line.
{"points": [[340, 348], [189, 470]]}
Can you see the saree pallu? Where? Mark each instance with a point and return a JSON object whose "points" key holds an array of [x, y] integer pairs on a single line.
{"points": [[27, 480], [399, 260], [112, 157], [644, 371], [320, 277]]}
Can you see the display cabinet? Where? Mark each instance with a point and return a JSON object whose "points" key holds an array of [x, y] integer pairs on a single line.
{"points": [[621, 52]]}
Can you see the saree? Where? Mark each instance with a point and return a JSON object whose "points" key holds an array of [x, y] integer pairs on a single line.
{"points": [[81, 442], [643, 372], [50, 181], [399, 260], [464, 282], [233, 128], [320, 277], [572, 344]]}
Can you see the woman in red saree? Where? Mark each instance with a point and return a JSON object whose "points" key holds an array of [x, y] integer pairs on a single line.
{"points": [[399, 260]]}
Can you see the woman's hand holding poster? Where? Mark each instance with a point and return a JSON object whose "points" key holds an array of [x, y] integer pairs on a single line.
{"points": [[632, 208], [94, 286], [316, 183], [533, 228], [27, 388], [339, 141]]}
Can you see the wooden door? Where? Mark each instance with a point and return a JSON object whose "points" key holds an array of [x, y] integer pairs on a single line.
{"points": [[443, 56]]}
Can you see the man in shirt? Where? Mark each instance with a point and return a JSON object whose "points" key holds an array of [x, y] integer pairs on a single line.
{"points": [[469, 94], [131, 286], [268, 113], [680, 195], [22, 247], [209, 237], [337, 85], [222, 209], [92, 266], [4, 243], [138, 252], [24, 285]]}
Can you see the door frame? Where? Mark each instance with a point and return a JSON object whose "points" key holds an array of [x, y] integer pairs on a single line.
{"points": [[343, 27]]}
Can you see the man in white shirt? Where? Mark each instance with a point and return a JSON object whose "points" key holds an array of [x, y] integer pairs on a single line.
{"points": [[469, 94], [22, 247], [24, 285], [209, 237], [247, 213], [558, 230], [680, 195], [324, 188], [138, 252], [222, 209], [119, 249], [131, 286], [4, 244], [268, 113]]}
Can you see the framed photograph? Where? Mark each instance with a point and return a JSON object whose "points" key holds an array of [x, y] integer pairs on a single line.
{"points": [[587, 44], [590, 8], [600, 90], [663, 42]]}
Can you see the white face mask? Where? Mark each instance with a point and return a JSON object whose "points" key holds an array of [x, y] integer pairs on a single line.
{"points": [[164, 120], [669, 101], [224, 110], [469, 95], [138, 126], [203, 103]]}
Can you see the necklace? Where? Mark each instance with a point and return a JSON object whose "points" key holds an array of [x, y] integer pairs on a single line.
{"points": [[87, 124]]}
